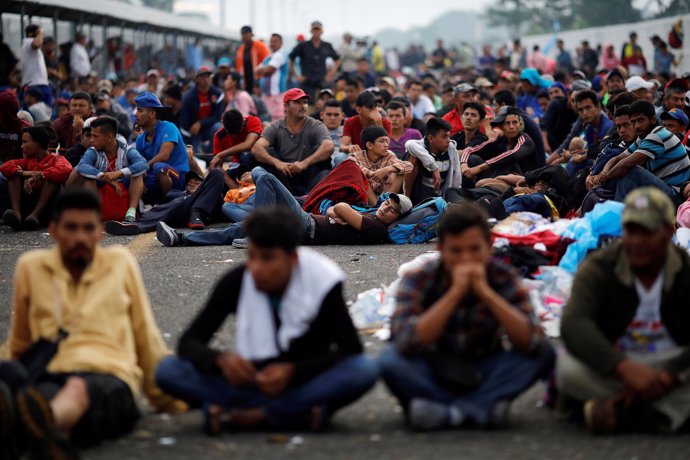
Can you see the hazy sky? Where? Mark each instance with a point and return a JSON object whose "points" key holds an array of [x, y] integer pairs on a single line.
{"points": [[360, 17]]}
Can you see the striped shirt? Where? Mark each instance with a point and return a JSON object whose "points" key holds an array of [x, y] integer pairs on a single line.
{"points": [[668, 159]]}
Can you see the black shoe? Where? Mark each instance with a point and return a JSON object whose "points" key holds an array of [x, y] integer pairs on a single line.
{"points": [[166, 235], [12, 220], [45, 440], [31, 223], [114, 227], [196, 222]]}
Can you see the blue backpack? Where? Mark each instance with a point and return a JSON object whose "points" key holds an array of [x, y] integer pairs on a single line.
{"points": [[419, 226]]}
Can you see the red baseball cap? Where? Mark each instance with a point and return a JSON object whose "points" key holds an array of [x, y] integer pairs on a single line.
{"points": [[294, 94], [681, 83]]}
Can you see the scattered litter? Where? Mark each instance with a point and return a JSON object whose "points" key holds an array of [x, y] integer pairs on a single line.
{"points": [[295, 441], [227, 261], [167, 335], [167, 441]]}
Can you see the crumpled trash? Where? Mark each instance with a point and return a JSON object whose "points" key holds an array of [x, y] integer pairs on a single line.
{"points": [[549, 293], [603, 220]]}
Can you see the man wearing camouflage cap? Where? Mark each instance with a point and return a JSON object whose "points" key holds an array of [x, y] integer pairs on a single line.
{"points": [[626, 326]]}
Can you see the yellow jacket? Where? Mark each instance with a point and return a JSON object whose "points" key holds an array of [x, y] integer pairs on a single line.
{"points": [[107, 315]]}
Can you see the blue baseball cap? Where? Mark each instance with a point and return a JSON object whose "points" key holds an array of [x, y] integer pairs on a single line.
{"points": [[148, 100], [675, 114], [223, 62]]}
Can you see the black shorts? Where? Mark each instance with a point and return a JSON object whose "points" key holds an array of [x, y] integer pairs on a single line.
{"points": [[112, 412]]}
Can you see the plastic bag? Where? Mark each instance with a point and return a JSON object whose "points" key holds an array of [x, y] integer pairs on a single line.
{"points": [[549, 293]]}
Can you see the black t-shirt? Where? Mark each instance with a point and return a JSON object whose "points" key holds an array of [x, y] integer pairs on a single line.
{"points": [[557, 121], [477, 139], [347, 109], [372, 232], [248, 68], [313, 60]]}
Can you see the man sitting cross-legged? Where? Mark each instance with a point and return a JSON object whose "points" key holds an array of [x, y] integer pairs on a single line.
{"points": [[381, 166], [298, 358], [447, 364], [341, 225], [109, 162]]}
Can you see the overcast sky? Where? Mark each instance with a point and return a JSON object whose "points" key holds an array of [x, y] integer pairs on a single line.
{"points": [[360, 17]]}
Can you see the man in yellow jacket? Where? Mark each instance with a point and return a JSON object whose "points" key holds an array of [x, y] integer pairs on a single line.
{"points": [[95, 299]]}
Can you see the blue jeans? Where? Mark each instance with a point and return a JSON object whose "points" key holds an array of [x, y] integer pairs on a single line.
{"points": [[640, 177], [269, 192], [331, 390], [203, 142], [338, 157], [534, 202], [177, 177], [504, 376], [238, 212]]}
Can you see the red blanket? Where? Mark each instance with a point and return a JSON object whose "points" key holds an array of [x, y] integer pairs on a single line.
{"points": [[345, 184]]}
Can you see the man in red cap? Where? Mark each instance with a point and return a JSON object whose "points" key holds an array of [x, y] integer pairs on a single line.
{"points": [[300, 146], [202, 108]]}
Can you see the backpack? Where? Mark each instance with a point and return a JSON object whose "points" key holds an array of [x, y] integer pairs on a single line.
{"points": [[420, 225]]}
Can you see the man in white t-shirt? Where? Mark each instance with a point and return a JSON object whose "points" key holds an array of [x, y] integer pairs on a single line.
{"points": [[626, 326], [421, 104], [34, 72], [79, 60], [274, 72]]}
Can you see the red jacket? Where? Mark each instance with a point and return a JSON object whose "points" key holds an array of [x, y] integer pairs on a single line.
{"points": [[10, 127], [55, 168]]}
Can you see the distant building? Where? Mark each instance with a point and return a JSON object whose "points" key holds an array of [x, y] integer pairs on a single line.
{"points": [[166, 5]]}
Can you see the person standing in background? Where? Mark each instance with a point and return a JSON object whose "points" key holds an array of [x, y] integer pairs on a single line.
{"points": [[249, 55]]}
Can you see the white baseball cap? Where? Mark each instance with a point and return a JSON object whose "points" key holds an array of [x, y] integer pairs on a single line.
{"points": [[636, 82], [87, 123]]}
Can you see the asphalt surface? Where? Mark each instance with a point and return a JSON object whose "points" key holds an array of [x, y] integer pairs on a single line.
{"points": [[179, 280]]}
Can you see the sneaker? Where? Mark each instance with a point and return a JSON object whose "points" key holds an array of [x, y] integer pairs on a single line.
{"points": [[114, 227], [425, 415], [12, 220], [31, 223], [166, 235], [131, 215], [240, 243], [45, 440], [600, 416], [196, 222]]}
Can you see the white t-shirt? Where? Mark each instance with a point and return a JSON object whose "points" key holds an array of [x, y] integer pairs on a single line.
{"points": [[278, 79], [646, 334], [422, 107], [34, 70], [79, 60]]}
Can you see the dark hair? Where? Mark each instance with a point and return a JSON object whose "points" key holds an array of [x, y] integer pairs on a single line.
{"points": [[622, 111], [642, 107], [278, 36], [41, 134], [81, 95], [582, 96], [414, 82], [428, 85], [397, 105], [106, 124], [232, 121], [31, 30], [476, 106], [624, 98], [371, 133], [461, 217], [505, 97], [237, 78], [331, 103], [435, 126], [351, 82], [76, 198], [675, 89], [274, 227]]}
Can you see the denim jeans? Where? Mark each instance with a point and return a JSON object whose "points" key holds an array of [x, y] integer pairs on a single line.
{"points": [[238, 212], [331, 390], [203, 142], [269, 192], [534, 202], [640, 177], [504, 376]]}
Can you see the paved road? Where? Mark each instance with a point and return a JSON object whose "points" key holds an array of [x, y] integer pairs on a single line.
{"points": [[179, 279]]}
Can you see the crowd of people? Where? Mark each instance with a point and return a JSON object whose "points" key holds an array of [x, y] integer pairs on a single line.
{"points": [[327, 145]]}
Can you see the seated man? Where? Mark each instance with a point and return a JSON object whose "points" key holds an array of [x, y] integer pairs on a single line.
{"points": [[33, 181], [301, 146], [197, 206], [436, 163], [473, 116], [111, 163], [162, 146], [397, 113], [92, 300], [75, 153], [298, 358], [332, 116], [367, 115], [625, 326], [658, 158], [676, 121], [341, 225], [233, 142], [511, 151], [447, 364], [68, 127], [381, 166]]}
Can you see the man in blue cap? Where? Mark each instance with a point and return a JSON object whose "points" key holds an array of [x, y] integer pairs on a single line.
{"points": [[676, 121], [162, 145]]}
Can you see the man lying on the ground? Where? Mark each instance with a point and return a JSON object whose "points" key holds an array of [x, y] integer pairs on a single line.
{"points": [[297, 359], [625, 326], [382, 167], [196, 207], [301, 146], [341, 225], [93, 302], [33, 181], [436, 163], [447, 364], [111, 163]]}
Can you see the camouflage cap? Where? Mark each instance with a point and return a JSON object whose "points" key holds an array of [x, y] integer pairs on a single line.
{"points": [[649, 207]]}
